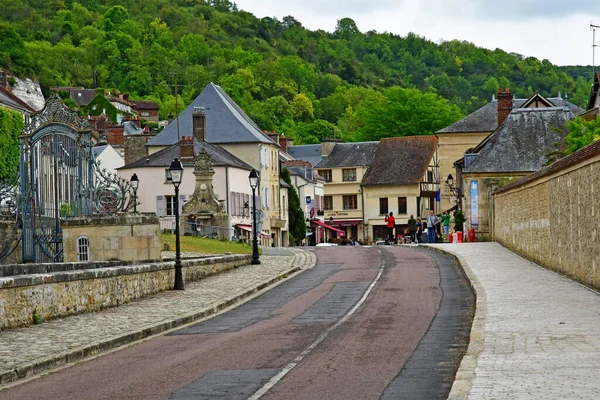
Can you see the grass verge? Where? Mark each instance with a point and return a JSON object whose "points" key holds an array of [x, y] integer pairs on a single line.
{"points": [[205, 245]]}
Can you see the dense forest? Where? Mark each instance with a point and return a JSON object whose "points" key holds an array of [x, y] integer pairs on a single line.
{"points": [[308, 84]]}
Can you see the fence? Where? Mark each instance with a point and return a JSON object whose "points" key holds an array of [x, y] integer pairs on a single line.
{"points": [[199, 230]]}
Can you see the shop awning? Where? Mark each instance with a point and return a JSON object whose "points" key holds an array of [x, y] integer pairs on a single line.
{"points": [[248, 228], [317, 222], [346, 222]]}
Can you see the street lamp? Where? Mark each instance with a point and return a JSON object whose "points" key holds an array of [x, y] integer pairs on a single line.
{"points": [[176, 173], [455, 190], [253, 178], [135, 183]]}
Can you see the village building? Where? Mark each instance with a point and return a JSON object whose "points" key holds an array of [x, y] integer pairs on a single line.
{"points": [[403, 178], [518, 147], [470, 131], [9, 100], [228, 126]]}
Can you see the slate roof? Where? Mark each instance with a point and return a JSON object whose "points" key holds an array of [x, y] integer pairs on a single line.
{"points": [[163, 158], [522, 142], [97, 150], [310, 173], [401, 160], [349, 155], [82, 96], [225, 121], [130, 128], [591, 150], [485, 119], [306, 152]]}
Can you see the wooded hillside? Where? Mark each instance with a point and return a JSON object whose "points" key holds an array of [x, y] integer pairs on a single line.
{"points": [[308, 84]]}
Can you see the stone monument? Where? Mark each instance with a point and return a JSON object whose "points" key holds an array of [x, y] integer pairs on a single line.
{"points": [[203, 212]]}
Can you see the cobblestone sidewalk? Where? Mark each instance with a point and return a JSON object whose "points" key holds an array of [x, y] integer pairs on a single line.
{"points": [[30, 350], [535, 334]]}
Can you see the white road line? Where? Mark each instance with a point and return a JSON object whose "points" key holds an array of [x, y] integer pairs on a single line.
{"points": [[274, 380]]}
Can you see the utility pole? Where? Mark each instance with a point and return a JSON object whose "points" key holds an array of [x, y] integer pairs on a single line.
{"points": [[594, 45], [176, 85]]}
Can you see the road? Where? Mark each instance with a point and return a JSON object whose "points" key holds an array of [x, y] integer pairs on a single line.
{"points": [[387, 322]]}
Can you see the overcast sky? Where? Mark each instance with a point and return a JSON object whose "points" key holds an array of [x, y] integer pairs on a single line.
{"points": [[558, 30]]}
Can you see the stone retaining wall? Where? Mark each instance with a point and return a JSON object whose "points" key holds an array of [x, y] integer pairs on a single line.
{"points": [[28, 299], [552, 217]]}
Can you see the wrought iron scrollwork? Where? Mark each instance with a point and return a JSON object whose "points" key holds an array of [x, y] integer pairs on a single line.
{"points": [[111, 193], [55, 111], [9, 215]]}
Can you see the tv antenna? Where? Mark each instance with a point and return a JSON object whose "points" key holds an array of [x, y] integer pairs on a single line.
{"points": [[594, 45], [176, 103]]}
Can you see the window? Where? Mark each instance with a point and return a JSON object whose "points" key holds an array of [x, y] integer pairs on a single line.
{"points": [[328, 202], [383, 205], [349, 175], [402, 207], [350, 202], [325, 173], [170, 201], [83, 248]]}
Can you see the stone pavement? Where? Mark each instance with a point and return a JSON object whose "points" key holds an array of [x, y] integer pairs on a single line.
{"points": [[536, 334], [31, 350]]}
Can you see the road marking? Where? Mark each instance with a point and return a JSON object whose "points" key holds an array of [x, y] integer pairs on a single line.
{"points": [[274, 380]]}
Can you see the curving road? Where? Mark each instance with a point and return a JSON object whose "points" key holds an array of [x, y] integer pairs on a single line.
{"points": [[387, 322]]}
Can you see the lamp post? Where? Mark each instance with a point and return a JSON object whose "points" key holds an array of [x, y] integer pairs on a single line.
{"points": [[454, 190], [307, 230], [176, 173], [135, 183], [253, 178]]}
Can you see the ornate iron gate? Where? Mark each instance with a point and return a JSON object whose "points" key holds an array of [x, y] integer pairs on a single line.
{"points": [[59, 179]]}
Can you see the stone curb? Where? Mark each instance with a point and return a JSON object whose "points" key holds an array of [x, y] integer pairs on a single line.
{"points": [[465, 374], [78, 354]]}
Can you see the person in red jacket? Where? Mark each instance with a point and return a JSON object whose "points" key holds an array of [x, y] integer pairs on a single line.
{"points": [[391, 224]]}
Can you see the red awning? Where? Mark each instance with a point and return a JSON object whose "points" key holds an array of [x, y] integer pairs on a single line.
{"points": [[346, 222], [341, 232], [248, 228]]}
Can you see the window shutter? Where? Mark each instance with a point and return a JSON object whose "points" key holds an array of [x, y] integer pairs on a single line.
{"points": [[160, 206]]}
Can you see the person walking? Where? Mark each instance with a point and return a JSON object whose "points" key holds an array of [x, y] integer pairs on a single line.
{"points": [[446, 223], [412, 227], [391, 224], [418, 230], [432, 221]]}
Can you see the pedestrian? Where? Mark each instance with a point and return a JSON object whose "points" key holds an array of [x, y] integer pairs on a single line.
{"points": [[438, 229], [418, 230], [446, 222], [391, 224], [412, 227], [432, 221]]}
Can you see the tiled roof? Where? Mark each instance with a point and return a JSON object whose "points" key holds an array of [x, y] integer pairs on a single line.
{"points": [[591, 150], [349, 155], [522, 142], [485, 119], [7, 97], [225, 121], [163, 158], [307, 152], [145, 105], [401, 160]]}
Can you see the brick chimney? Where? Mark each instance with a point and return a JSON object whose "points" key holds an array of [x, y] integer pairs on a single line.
{"points": [[505, 104], [199, 123], [3, 79], [283, 142], [274, 136], [186, 149]]}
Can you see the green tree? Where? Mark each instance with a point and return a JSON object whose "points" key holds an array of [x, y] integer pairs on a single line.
{"points": [[302, 108], [405, 112], [580, 134], [11, 125], [295, 214]]}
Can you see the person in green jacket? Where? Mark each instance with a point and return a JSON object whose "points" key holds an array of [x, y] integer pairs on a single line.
{"points": [[446, 222]]}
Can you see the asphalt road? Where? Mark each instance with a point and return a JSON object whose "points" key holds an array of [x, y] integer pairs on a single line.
{"points": [[385, 322]]}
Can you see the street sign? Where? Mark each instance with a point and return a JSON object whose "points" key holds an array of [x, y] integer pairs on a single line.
{"points": [[307, 199]]}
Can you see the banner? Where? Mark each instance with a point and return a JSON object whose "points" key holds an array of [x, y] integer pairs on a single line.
{"points": [[474, 185]]}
